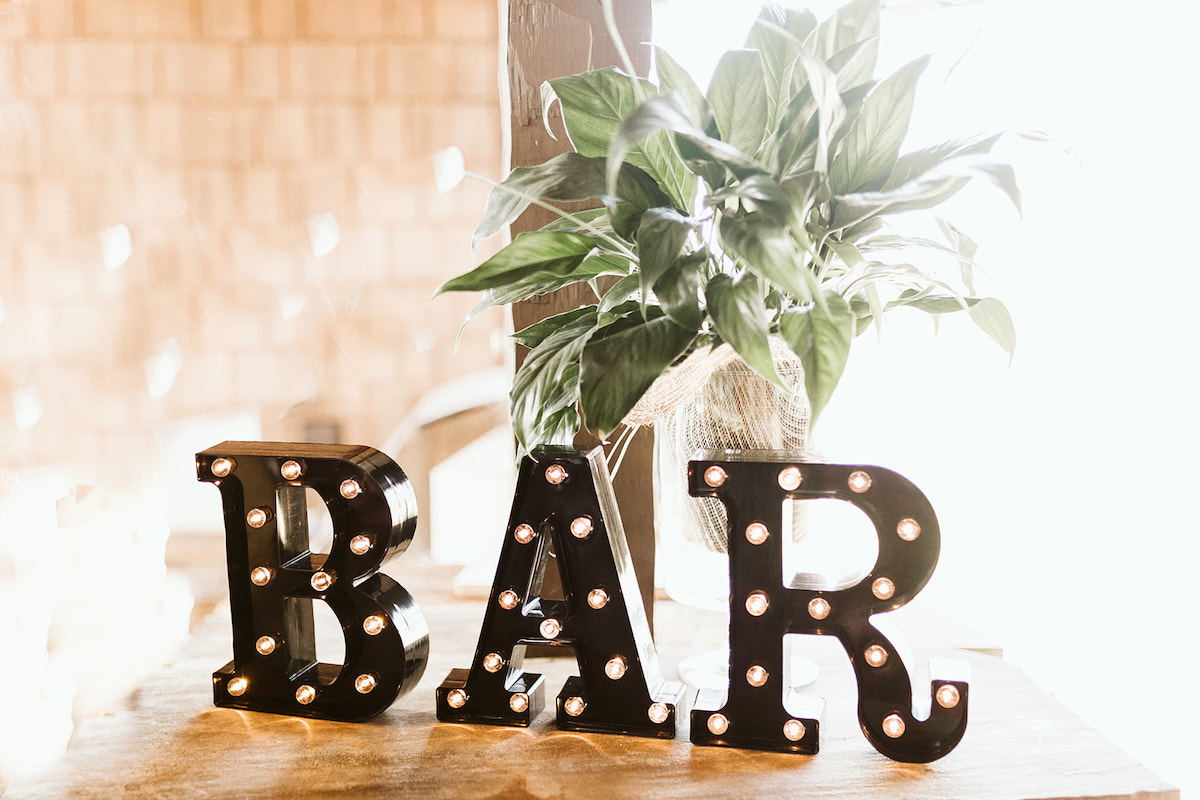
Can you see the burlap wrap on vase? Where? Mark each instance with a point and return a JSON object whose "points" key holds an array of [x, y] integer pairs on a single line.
{"points": [[714, 401]]}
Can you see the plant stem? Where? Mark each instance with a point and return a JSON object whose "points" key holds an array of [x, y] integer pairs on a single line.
{"points": [[611, 21]]}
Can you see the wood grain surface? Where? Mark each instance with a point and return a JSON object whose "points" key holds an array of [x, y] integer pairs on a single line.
{"points": [[171, 742]]}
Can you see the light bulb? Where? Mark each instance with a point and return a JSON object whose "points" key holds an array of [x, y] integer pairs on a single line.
{"points": [[859, 481], [789, 479], [819, 608], [714, 476]]}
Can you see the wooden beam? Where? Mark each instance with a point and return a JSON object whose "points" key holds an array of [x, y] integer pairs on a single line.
{"points": [[548, 39]]}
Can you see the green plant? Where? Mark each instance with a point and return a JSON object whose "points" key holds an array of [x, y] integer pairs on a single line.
{"points": [[756, 209]]}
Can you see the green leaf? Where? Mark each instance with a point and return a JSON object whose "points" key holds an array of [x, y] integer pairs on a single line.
{"points": [[964, 248], [594, 105], [993, 318], [619, 292], [660, 241], [593, 266], [613, 314], [619, 366], [768, 251], [872, 146], [534, 253], [818, 100], [853, 22], [546, 387], [741, 317], [917, 163], [763, 193], [777, 35], [738, 98], [678, 290], [668, 113], [821, 338], [536, 333], [636, 191], [674, 78], [854, 65], [568, 176]]}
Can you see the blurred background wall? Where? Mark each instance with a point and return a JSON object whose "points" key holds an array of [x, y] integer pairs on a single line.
{"points": [[217, 221]]}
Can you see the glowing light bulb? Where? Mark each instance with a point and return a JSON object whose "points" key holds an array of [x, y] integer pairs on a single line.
{"points": [[493, 662], [256, 517], [350, 489], [819, 608], [658, 713], [524, 534], [265, 645], [360, 545], [793, 730], [718, 724], [757, 604], [859, 481], [374, 625], [893, 726], [756, 533], [883, 588], [305, 695], [947, 695], [550, 628], [322, 581], [789, 479], [756, 676], [714, 476], [364, 683], [508, 599], [291, 470], [222, 467], [908, 529], [260, 576], [519, 702], [876, 656], [456, 698], [237, 686], [581, 527], [556, 474], [574, 706], [615, 668], [597, 598]]}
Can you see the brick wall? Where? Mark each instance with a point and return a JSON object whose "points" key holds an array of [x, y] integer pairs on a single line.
{"points": [[222, 134]]}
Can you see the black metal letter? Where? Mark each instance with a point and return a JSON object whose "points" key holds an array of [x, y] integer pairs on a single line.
{"points": [[565, 496], [274, 578], [753, 487]]}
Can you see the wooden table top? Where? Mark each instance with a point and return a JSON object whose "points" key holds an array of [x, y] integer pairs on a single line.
{"points": [[171, 742]]}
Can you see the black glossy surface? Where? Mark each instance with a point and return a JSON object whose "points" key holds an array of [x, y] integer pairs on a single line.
{"points": [[385, 511], [599, 560], [752, 493]]}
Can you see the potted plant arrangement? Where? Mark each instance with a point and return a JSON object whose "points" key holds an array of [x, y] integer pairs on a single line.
{"points": [[745, 238], [753, 213]]}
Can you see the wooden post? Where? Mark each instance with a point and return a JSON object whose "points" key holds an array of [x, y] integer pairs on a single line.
{"points": [[548, 39]]}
